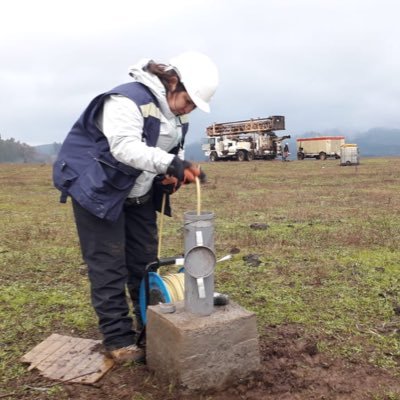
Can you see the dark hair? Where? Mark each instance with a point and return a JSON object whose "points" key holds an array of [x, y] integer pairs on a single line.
{"points": [[159, 70]]}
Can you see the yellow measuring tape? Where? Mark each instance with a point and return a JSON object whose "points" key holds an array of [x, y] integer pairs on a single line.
{"points": [[175, 282], [198, 196], [161, 225], [160, 229]]}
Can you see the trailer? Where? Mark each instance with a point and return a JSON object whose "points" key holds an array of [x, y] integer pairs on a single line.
{"points": [[245, 140], [321, 147], [349, 154]]}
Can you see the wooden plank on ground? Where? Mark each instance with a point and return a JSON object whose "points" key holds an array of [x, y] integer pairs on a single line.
{"points": [[67, 358], [37, 353], [59, 369]]}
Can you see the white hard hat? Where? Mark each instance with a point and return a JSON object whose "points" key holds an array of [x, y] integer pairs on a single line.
{"points": [[199, 75]]}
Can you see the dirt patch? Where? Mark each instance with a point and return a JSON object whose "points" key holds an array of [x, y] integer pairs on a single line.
{"points": [[292, 369]]}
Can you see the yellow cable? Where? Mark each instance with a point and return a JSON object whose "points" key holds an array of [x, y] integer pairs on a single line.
{"points": [[198, 196], [175, 286], [175, 282], [160, 230]]}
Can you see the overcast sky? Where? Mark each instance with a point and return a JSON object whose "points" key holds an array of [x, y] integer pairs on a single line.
{"points": [[323, 64]]}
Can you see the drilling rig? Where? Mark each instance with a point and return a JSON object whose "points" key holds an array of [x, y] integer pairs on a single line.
{"points": [[245, 140]]}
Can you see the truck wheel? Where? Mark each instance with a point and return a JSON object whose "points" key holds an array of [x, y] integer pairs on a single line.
{"points": [[241, 155], [250, 156], [322, 156], [300, 156], [213, 156]]}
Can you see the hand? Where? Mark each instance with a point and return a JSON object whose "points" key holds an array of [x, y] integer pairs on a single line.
{"points": [[184, 171], [197, 172], [170, 184], [166, 184]]}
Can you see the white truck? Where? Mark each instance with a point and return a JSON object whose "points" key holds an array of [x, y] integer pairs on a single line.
{"points": [[320, 147], [245, 140]]}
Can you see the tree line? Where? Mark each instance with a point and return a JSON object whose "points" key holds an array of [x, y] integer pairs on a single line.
{"points": [[13, 151]]}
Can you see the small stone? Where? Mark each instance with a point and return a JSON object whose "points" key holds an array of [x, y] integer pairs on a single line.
{"points": [[167, 308], [234, 250], [82, 270], [396, 309], [252, 259], [259, 226], [311, 349]]}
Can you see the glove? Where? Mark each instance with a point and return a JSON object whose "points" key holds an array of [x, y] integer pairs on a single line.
{"points": [[170, 184], [166, 184], [185, 171]]}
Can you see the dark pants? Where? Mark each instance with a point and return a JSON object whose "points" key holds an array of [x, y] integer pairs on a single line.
{"points": [[116, 255]]}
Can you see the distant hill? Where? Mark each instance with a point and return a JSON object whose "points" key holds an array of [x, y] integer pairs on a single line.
{"points": [[46, 152], [378, 142], [48, 149]]}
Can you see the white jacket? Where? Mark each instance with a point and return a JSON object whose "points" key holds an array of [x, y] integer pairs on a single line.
{"points": [[122, 123]]}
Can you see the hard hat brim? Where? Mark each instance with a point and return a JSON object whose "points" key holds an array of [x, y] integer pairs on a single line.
{"points": [[200, 104]]}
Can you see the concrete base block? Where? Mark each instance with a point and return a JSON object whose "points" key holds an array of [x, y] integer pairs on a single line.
{"points": [[201, 353]]}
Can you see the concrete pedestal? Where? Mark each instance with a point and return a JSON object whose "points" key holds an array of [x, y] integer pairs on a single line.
{"points": [[202, 352]]}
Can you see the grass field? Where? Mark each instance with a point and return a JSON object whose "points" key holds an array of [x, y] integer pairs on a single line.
{"points": [[329, 258]]}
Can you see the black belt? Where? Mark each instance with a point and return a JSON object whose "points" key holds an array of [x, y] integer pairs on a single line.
{"points": [[138, 201]]}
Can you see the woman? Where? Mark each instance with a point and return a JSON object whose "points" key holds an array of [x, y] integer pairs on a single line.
{"points": [[120, 157]]}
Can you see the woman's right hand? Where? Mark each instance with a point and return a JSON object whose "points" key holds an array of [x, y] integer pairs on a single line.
{"points": [[184, 171]]}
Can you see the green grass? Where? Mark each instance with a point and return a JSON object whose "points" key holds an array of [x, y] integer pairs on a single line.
{"points": [[330, 256]]}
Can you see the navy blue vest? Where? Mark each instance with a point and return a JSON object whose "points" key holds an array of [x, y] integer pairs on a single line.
{"points": [[86, 170]]}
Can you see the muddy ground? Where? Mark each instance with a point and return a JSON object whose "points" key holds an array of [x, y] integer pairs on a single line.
{"points": [[292, 369]]}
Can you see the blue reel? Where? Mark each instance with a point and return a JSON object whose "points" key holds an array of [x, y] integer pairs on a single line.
{"points": [[157, 285]]}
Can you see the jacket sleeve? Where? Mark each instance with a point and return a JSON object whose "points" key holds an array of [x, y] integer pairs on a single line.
{"points": [[122, 124]]}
